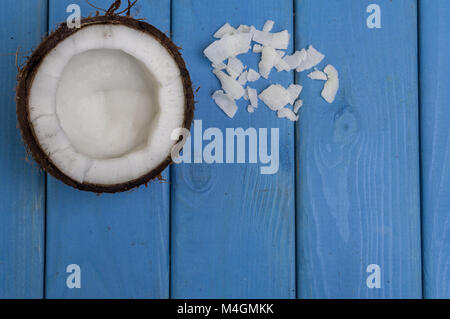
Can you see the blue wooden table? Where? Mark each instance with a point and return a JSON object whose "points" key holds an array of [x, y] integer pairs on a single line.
{"points": [[363, 187]]}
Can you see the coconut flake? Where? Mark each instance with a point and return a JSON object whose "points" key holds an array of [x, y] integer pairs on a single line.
{"points": [[234, 67], [250, 109], [275, 97], [269, 59], [253, 76], [227, 47], [287, 114], [318, 75], [246, 29], [268, 26], [279, 40], [331, 85], [253, 97], [225, 30], [242, 80], [294, 60], [226, 103], [313, 57], [257, 48], [283, 66], [294, 90], [230, 85], [298, 104]]}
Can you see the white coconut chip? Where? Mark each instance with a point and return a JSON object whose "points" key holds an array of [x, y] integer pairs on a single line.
{"points": [[234, 67], [250, 109], [294, 90], [298, 104], [243, 28], [268, 26], [253, 97], [331, 85], [226, 103], [227, 47], [242, 80], [313, 57], [269, 59], [230, 85], [220, 66], [253, 76], [275, 97], [287, 114], [294, 60], [279, 40], [317, 75], [283, 66], [225, 30], [257, 48]]}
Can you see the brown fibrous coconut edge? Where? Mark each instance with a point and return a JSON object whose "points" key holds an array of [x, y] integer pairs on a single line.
{"points": [[25, 81]]}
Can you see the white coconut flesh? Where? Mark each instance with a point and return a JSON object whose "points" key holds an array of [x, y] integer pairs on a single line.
{"points": [[104, 102]]}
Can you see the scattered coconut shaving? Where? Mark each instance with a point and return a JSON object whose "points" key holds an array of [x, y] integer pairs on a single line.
{"points": [[297, 106], [233, 42], [230, 85], [286, 113], [227, 47], [332, 85], [269, 59], [294, 90], [234, 67], [275, 97], [253, 76], [225, 30], [317, 75], [226, 103]]}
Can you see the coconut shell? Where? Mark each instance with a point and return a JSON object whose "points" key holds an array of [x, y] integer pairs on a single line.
{"points": [[25, 80]]}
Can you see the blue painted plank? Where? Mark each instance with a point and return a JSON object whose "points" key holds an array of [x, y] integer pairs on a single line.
{"points": [[22, 25], [121, 242], [358, 183], [232, 227], [434, 34]]}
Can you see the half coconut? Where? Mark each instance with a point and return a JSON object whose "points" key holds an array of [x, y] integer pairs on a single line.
{"points": [[97, 105]]}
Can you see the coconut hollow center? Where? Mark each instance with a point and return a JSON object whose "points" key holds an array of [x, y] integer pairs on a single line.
{"points": [[106, 102]]}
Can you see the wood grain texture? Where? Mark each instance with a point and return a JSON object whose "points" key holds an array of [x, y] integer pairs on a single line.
{"points": [[435, 146], [232, 228], [22, 190], [121, 242], [358, 161]]}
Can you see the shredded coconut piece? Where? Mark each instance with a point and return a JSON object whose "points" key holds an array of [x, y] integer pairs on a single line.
{"points": [[226, 103], [253, 75], [230, 85], [257, 48], [269, 59], [298, 104], [287, 114], [226, 29], [313, 57], [268, 26], [250, 109], [278, 40], [246, 29], [227, 47], [283, 66], [294, 90], [294, 60], [234, 67], [253, 97], [275, 97], [243, 78], [317, 75], [331, 85]]}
